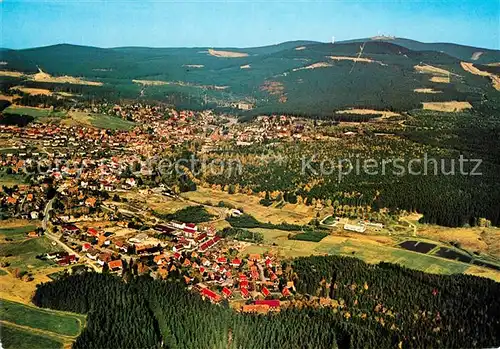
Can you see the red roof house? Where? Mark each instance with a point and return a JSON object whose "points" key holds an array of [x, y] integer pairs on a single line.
{"points": [[92, 232], [115, 265], [191, 225], [265, 291], [272, 303], [214, 297], [244, 292], [285, 292], [226, 292]]}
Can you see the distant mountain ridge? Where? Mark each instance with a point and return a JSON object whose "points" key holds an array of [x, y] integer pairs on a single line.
{"points": [[300, 77], [463, 52], [459, 51]]}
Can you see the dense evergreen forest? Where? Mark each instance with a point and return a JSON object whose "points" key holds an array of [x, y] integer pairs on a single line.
{"points": [[370, 306], [440, 191]]}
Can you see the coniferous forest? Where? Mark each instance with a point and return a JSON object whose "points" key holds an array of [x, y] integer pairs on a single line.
{"points": [[367, 306]]}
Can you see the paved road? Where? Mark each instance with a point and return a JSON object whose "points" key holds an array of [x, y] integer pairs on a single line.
{"points": [[46, 212], [413, 226], [55, 238], [261, 272]]}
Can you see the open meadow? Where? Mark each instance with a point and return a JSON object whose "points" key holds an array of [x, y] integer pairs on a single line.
{"points": [[18, 255], [369, 248], [98, 120], [47, 320], [32, 111], [14, 337], [289, 213], [26, 326]]}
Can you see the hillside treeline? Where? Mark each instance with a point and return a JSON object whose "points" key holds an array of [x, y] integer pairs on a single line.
{"points": [[447, 311]]}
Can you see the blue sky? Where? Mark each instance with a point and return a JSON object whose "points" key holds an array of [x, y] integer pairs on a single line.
{"points": [[185, 23]]}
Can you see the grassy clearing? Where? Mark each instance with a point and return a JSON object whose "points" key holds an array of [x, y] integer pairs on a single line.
{"points": [[111, 122], [226, 54], [44, 77], [22, 254], [14, 74], [440, 79], [293, 214], [150, 82], [426, 90], [312, 235], [34, 112], [16, 233], [429, 69], [159, 203], [33, 91], [371, 249], [483, 272], [16, 338], [451, 106], [484, 241], [100, 121], [23, 315], [10, 180], [372, 253], [384, 113], [17, 290], [469, 67], [272, 235]]}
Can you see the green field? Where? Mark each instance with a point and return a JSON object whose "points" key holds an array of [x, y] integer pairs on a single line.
{"points": [[364, 250], [15, 338], [47, 320], [312, 235], [16, 233], [5, 151], [96, 120], [110, 122], [329, 220], [373, 254], [22, 253], [11, 180], [34, 112]]}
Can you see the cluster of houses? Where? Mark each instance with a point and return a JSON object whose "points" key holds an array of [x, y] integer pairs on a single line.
{"points": [[23, 201], [85, 164], [62, 258], [195, 254], [255, 279]]}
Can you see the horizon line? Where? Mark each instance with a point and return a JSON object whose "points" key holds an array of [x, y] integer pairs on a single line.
{"points": [[368, 39]]}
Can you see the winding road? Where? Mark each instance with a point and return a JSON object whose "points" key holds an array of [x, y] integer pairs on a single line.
{"points": [[55, 238]]}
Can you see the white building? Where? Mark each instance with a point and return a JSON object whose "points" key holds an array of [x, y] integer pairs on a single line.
{"points": [[356, 228]]}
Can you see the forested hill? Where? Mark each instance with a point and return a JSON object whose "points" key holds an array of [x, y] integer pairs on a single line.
{"points": [[462, 52], [298, 77], [363, 306]]}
